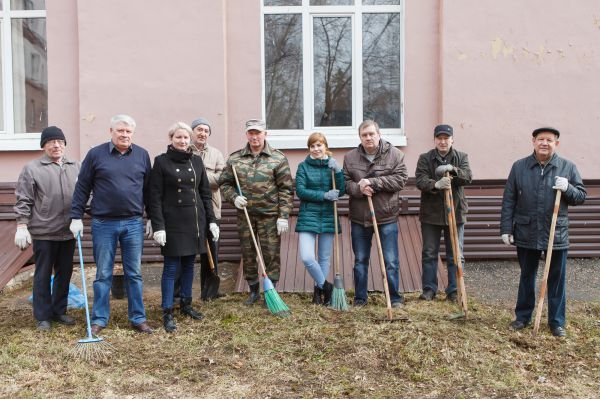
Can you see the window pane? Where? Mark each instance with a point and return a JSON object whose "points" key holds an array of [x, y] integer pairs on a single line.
{"points": [[381, 69], [28, 4], [283, 2], [283, 71], [381, 2], [30, 76], [332, 48], [331, 2]]}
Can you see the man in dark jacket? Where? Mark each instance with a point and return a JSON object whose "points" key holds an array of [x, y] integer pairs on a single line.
{"points": [[527, 206], [375, 169], [44, 191], [431, 180]]}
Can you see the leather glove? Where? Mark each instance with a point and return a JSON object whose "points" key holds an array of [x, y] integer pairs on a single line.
{"points": [[561, 183], [443, 184], [240, 202], [508, 239], [282, 226], [149, 229], [22, 237], [442, 169], [333, 164], [76, 227], [214, 230], [160, 237], [332, 195]]}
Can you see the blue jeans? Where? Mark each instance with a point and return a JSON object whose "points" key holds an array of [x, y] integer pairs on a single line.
{"points": [[318, 270], [557, 297], [361, 245], [173, 264], [129, 233], [431, 247]]}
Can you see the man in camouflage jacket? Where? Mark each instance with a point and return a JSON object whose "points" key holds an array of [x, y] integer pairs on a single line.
{"points": [[266, 193]]}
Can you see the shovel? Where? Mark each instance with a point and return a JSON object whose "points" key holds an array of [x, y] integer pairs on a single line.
{"points": [[210, 285]]}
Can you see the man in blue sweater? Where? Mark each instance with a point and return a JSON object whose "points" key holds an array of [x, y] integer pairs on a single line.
{"points": [[117, 173]]}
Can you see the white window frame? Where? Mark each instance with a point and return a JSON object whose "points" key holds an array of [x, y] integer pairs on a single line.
{"points": [[337, 137], [9, 139]]}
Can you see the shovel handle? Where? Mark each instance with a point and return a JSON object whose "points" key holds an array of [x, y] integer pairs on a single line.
{"points": [[210, 258], [386, 289]]}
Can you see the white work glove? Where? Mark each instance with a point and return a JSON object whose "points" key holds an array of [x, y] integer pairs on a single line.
{"points": [[22, 237], [240, 202], [443, 184], [160, 237], [76, 227], [442, 169], [149, 229], [214, 230], [508, 239], [561, 183], [282, 226]]}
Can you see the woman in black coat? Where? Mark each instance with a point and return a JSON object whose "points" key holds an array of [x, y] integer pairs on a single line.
{"points": [[180, 209]]}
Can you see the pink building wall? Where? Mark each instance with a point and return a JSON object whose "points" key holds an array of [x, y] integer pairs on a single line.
{"points": [[494, 70]]}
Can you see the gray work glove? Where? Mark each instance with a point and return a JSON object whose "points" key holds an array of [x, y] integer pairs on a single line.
{"points": [[443, 184], [561, 183], [22, 237], [442, 169], [149, 229], [76, 227], [332, 195], [508, 239], [333, 164]]}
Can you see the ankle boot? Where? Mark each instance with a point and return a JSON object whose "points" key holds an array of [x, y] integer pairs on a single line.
{"points": [[186, 309], [327, 293], [168, 320], [254, 294], [317, 296]]}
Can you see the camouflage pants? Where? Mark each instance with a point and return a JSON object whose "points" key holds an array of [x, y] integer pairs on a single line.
{"points": [[265, 227]]}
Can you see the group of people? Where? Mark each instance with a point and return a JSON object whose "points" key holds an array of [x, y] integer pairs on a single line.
{"points": [[181, 195]]}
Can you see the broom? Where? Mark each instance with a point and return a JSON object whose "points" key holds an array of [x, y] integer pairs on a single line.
{"points": [[338, 297], [274, 302], [89, 348]]}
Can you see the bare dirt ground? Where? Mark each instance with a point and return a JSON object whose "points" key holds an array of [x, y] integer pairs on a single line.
{"points": [[238, 352]]}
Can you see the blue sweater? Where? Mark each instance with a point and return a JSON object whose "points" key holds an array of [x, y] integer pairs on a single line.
{"points": [[119, 183]]}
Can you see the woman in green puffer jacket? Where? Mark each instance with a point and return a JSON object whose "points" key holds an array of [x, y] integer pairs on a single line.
{"points": [[315, 220]]}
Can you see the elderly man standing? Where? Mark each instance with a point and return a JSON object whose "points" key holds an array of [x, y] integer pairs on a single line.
{"points": [[431, 179], [527, 207], [266, 184], [118, 174], [44, 192], [375, 169]]}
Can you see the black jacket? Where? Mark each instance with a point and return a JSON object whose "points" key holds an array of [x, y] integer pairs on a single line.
{"points": [[432, 209], [180, 202], [529, 200]]}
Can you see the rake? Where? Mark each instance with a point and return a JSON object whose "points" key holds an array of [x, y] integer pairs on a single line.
{"points": [[338, 297], [274, 302], [90, 348]]}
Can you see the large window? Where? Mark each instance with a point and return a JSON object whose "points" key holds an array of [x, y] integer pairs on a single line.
{"points": [[24, 80], [330, 64]]}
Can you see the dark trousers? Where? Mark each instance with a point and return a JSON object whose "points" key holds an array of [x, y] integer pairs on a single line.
{"points": [[557, 298], [51, 256], [431, 247]]}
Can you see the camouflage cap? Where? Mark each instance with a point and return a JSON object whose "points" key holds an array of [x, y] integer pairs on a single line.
{"points": [[256, 124]]}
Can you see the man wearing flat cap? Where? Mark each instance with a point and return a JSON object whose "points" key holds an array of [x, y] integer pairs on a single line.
{"points": [[527, 208], [266, 185], [431, 179], [44, 192]]}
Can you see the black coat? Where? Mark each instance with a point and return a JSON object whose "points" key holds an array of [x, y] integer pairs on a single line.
{"points": [[529, 200], [180, 202]]}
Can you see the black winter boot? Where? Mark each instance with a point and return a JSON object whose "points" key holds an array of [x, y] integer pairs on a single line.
{"points": [[168, 320], [317, 296], [186, 309], [254, 294], [327, 293]]}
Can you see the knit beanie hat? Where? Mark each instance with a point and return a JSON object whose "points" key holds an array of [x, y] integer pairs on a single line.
{"points": [[52, 133], [201, 121]]}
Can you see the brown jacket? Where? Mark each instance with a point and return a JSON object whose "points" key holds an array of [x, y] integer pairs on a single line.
{"points": [[214, 163], [44, 193], [387, 174]]}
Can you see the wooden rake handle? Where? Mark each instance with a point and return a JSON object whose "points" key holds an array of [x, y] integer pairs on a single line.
{"points": [[543, 287], [386, 289], [261, 262], [335, 224]]}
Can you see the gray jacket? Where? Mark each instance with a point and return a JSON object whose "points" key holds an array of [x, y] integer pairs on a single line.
{"points": [[44, 192], [214, 163], [387, 174], [529, 200]]}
